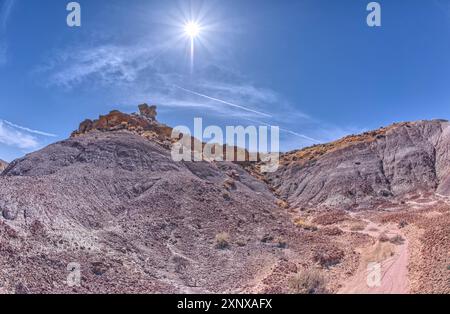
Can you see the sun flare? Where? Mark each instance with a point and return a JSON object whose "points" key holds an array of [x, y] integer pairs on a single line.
{"points": [[192, 29]]}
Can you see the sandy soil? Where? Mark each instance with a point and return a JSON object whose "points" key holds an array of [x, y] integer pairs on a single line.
{"points": [[384, 266]]}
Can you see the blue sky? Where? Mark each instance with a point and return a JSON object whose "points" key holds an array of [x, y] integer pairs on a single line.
{"points": [[312, 67]]}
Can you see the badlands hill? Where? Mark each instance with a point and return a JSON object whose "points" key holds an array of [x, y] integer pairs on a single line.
{"points": [[111, 202], [358, 172]]}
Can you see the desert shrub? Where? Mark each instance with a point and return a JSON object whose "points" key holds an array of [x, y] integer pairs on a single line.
{"points": [[448, 267], [331, 231], [383, 237], [305, 225], [241, 242], [222, 240], [379, 252], [308, 282], [37, 229], [230, 184], [397, 239], [331, 218], [226, 196], [357, 226], [281, 243], [282, 204], [328, 257], [180, 263], [267, 238], [402, 224]]}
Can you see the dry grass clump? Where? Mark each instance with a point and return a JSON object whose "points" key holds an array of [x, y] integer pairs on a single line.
{"points": [[379, 252], [281, 243], [301, 223], [383, 237], [397, 240], [331, 218], [230, 184], [222, 240], [226, 196], [308, 282], [282, 204], [316, 151], [329, 257], [331, 231], [358, 226]]}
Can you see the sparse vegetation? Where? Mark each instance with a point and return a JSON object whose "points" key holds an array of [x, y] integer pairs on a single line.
{"points": [[226, 196], [397, 240], [358, 226], [282, 204], [402, 224], [383, 237], [329, 257], [305, 225], [331, 231], [379, 252], [331, 218], [281, 243], [308, 282], [222, 240], [230, 184], [267, 238], [241, 243]]}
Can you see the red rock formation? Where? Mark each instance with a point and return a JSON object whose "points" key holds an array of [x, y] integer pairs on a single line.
{"points": [[3, 165], [143, 123], [148, 112]]}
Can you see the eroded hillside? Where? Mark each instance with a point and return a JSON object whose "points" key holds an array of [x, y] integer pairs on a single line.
{"points": [[111, 201]]}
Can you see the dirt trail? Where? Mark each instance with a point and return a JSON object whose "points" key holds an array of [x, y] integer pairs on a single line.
{"points": [[384, 266]]}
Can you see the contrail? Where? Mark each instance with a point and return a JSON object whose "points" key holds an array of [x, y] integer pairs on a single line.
{"points": [[29, 130], [287, 131], [224, 102]]}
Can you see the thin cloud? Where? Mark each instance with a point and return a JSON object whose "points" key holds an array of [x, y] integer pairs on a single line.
{"points": [[245, 90], [147, 73], [305, 137], [112, 65], [29, 130], [5, 12], [20, 137], [15, 138], [224, 102]]}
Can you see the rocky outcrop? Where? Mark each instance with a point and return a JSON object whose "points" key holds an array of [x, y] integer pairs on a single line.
{"points": [[148, 111], [364, 170], [143, 123], [3, 165]]}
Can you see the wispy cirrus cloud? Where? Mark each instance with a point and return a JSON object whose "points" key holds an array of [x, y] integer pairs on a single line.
{"points": [[20, 137], [6, 7], [144, 69], [147, 73]]}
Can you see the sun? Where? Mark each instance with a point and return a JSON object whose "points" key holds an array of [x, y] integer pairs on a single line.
{"points": [[192, 29]]}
